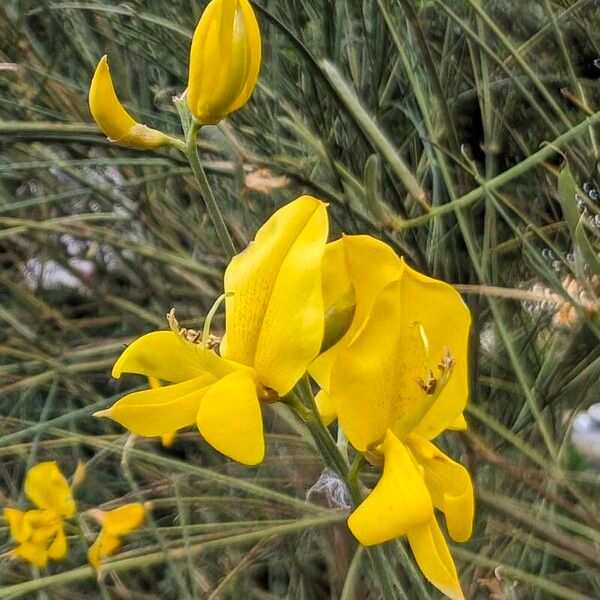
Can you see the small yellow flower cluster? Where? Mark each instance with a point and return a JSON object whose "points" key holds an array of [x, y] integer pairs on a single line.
{"points": [[386, 345], [40, 532]]}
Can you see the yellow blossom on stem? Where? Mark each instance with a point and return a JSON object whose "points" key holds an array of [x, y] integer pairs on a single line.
{"points": [[114, 525], [391, 398], [224, 60], [366, 265], [110, 115], [274, 329], [39, 532]]}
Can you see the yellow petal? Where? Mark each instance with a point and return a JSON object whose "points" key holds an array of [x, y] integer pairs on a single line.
{"points": [[105, 545], [156, 412], [168, 439], [32, 553], [459, 424], [79, 475], [123, 519], [58, 548], [230, 419], [335, 278], [450, 486], [166, 355], [434, 559], [327, 409], [118, 125], [94, 552], [254, 50], [399, 502], [447, 321], [44, 524], [365, 264], [374, 382], [20, 529], [274, 315], [47, 487], [224, 60]]}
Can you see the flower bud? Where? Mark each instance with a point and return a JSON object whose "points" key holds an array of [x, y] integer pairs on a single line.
{"points": [[224, 60], [118, 125]]}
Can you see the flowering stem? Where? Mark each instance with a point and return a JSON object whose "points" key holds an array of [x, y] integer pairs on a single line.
{"points": [[302, 402], [209, 198]]}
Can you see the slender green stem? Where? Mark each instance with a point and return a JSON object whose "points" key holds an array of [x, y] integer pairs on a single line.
{"points": [[209, 198], [177, 143], [496, 182], [303, 403], [121, 565]]}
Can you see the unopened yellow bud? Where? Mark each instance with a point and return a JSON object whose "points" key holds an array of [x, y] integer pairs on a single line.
{"points": [[118, 125], [224, 60]]}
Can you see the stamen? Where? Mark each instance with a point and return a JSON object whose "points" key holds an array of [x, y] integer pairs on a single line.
{"points": [[209, 317]]}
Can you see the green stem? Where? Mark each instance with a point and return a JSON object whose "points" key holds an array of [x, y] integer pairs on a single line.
{"points": [[209, 198], [177, 143], [503, 178], [334, 460]]}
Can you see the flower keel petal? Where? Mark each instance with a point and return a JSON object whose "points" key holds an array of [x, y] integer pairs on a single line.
{"points": [[399, 502], [434, 559]]}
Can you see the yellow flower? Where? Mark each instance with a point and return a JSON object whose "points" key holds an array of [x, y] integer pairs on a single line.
{"points": [[366, 265], [389, 403], [118, 125], [224, 60], [40, 532], [115, 524], [274, 329]]}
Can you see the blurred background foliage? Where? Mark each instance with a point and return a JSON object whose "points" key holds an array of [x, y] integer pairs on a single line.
{"points": [[438, 126]]}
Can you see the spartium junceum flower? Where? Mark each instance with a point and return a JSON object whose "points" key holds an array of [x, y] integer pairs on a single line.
{"points": [[274, 323], [395, 383], [114, 525], [112, 118], [39, 532], [355, 269], [224, 60]]}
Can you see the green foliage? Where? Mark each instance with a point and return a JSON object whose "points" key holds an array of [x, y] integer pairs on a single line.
{"points": [[421, 123]]}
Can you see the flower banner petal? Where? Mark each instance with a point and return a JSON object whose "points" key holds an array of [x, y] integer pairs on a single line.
{"points": [[364, 263], [446, 319], [434, 559], [450, 486], [166, 355], [274, 313], [374, 383], [230, 418], [459, 424], [47, 488], [399, 502]]}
